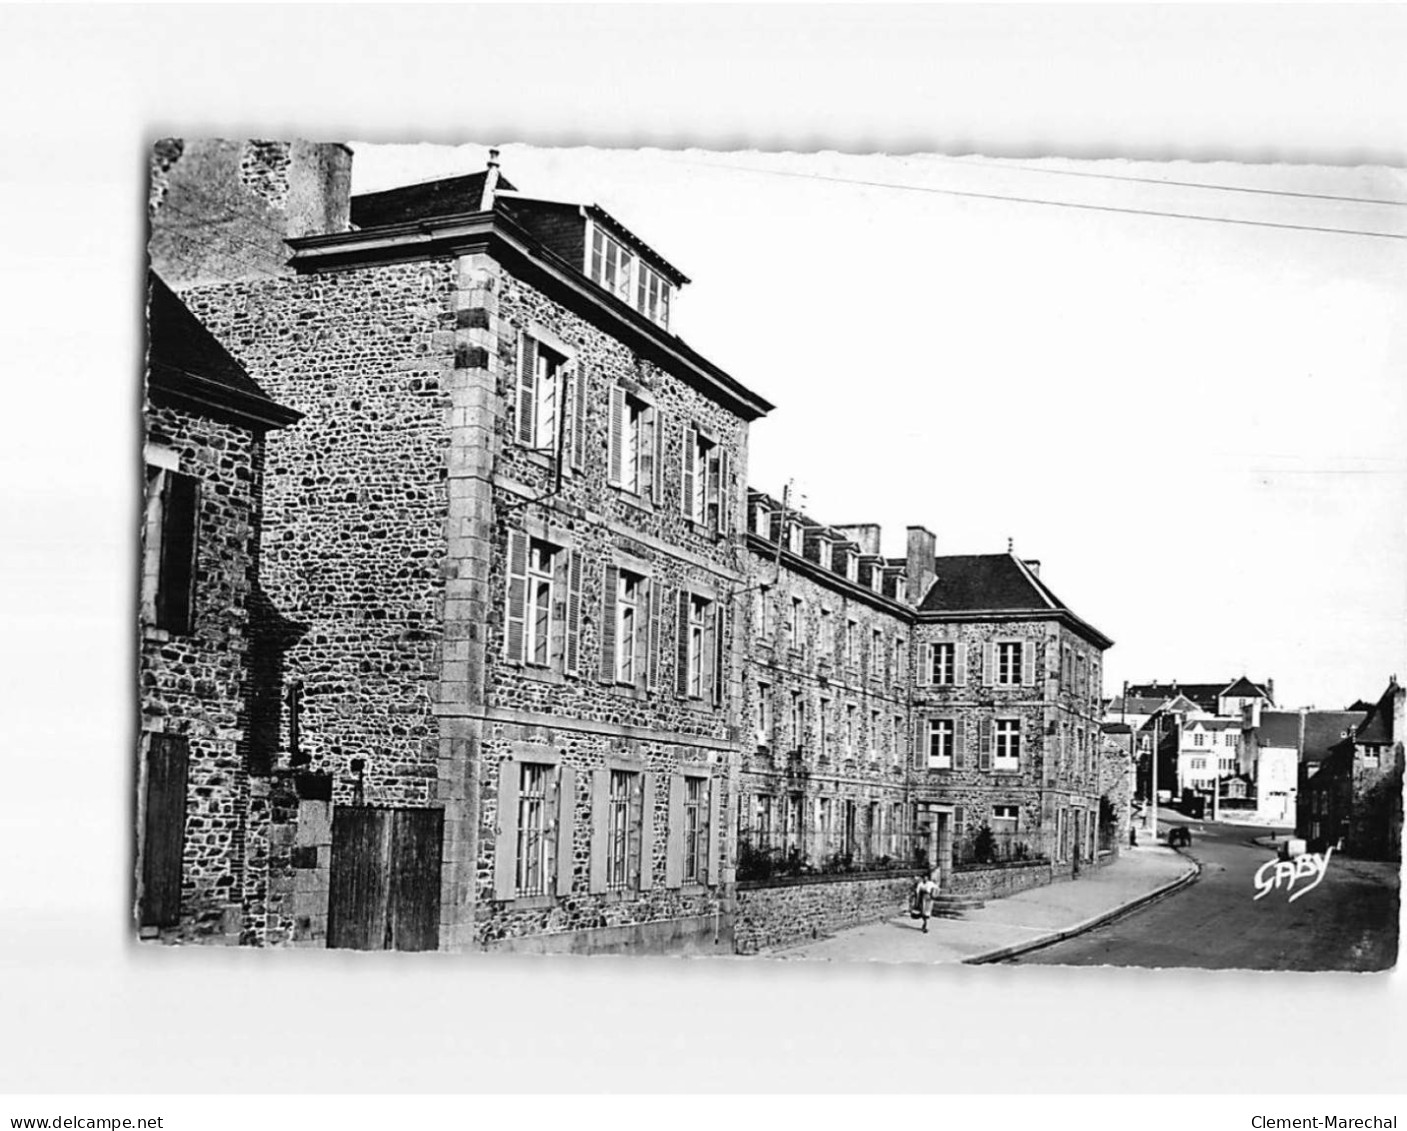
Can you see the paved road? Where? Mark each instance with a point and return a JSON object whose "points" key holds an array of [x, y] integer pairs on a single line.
{"points": [[1348, 922]]}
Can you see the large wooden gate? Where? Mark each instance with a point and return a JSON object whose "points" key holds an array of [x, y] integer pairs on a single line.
{"points": [[385, 882]]}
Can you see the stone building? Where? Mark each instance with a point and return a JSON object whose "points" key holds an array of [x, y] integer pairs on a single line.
{"points": [[1275, 744], [198, 811], [509, 523], [1007, 699], [1354, 798], [824, 770]]}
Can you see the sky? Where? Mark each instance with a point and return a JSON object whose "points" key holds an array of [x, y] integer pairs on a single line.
{"points": [[1193, 424]]}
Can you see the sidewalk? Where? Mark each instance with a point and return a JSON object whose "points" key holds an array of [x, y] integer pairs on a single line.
{"points": [[1012, 924]]}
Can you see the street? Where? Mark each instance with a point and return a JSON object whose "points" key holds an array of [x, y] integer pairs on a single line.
{"points": [[1348, 922]]}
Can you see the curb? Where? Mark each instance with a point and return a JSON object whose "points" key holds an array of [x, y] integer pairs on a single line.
{"points": [[1089, 924]]}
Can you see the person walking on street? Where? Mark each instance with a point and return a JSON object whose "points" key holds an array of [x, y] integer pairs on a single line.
{"points": [[924, 891]]}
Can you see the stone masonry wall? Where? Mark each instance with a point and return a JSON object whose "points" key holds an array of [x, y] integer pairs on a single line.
{"points": [[781, 913], [586, 719], [354, 543], [998, 881], [191, 684]]}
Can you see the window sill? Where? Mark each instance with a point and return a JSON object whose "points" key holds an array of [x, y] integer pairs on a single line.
{"points": [[155, 635], [633, 499], [537, 674], [532, 902]]}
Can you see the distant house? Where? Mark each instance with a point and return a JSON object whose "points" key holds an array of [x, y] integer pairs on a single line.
{"points": [[1278, 745], [1213, 698], [1354, 799]]}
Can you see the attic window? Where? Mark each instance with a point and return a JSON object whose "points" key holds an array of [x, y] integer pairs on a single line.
{"points": [[621, 272]]}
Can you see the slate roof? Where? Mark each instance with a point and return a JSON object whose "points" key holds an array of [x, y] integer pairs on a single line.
{"points": [[985, 581], [1322, 730], [446, 197], [1377, 727], [1244, 688], [187, 365], [1205, 695]]}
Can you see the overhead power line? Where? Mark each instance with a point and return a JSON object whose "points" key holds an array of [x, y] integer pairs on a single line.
{"points": [[1049, 203], [1178, 184]]}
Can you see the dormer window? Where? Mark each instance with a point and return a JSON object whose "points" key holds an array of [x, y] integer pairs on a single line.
{"points": [[621, 272], [761, 520], [852, 567], [796, 538], [824, 550]]}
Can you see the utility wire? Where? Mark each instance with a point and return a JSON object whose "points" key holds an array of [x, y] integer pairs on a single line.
{"points": [[1178, 184], [1050, 203]]}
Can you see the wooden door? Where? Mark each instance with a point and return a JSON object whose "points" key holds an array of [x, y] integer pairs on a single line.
{"points": [[163, 830], [385, 882]]}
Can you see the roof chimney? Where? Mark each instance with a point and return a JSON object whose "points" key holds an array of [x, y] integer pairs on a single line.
{"points": [[490, 182], [1034, 565], [920, 564]]}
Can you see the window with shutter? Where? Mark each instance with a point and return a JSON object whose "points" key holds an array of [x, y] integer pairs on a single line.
{"points": [[652, 658], [516, 628], [682, 650], [527, 390], [718, 669], [175, 589], [600, 829], [657, 459], [689, 472], [674, 845], [610, 626], [647, 831], [713, 821], [618, 441], [984, 744], [574, 598], [579, 399], [505, 861], [566, 828]]}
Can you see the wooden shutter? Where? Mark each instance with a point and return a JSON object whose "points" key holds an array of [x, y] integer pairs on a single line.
{"points": [[652, 635], [959, 743], [505, 856], [573, 658], [176, 578], [925, 664], [164, 830], [674, 845], [711, 493], [579, 391], [566, 828], [984, 744], [617, 434], [724, 495], [515, 633], [681, 671], [686, 490], [720, 655], [989, 664], [959, 662], [645, 449], [527, 394], [647, 832], [1028, 664], [608, 624], [600, 827], [657, 486], [713, 865]]}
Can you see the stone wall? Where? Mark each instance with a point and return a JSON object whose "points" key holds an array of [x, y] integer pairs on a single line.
{"points": [[997, 881], [790, 911], [355, 509], [192, 684]]}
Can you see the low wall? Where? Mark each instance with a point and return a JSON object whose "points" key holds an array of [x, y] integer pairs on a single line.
{"points": [[771, 913], [996, 881]]}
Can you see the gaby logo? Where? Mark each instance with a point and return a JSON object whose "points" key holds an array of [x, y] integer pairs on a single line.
{"points": [[1272, 873]]}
